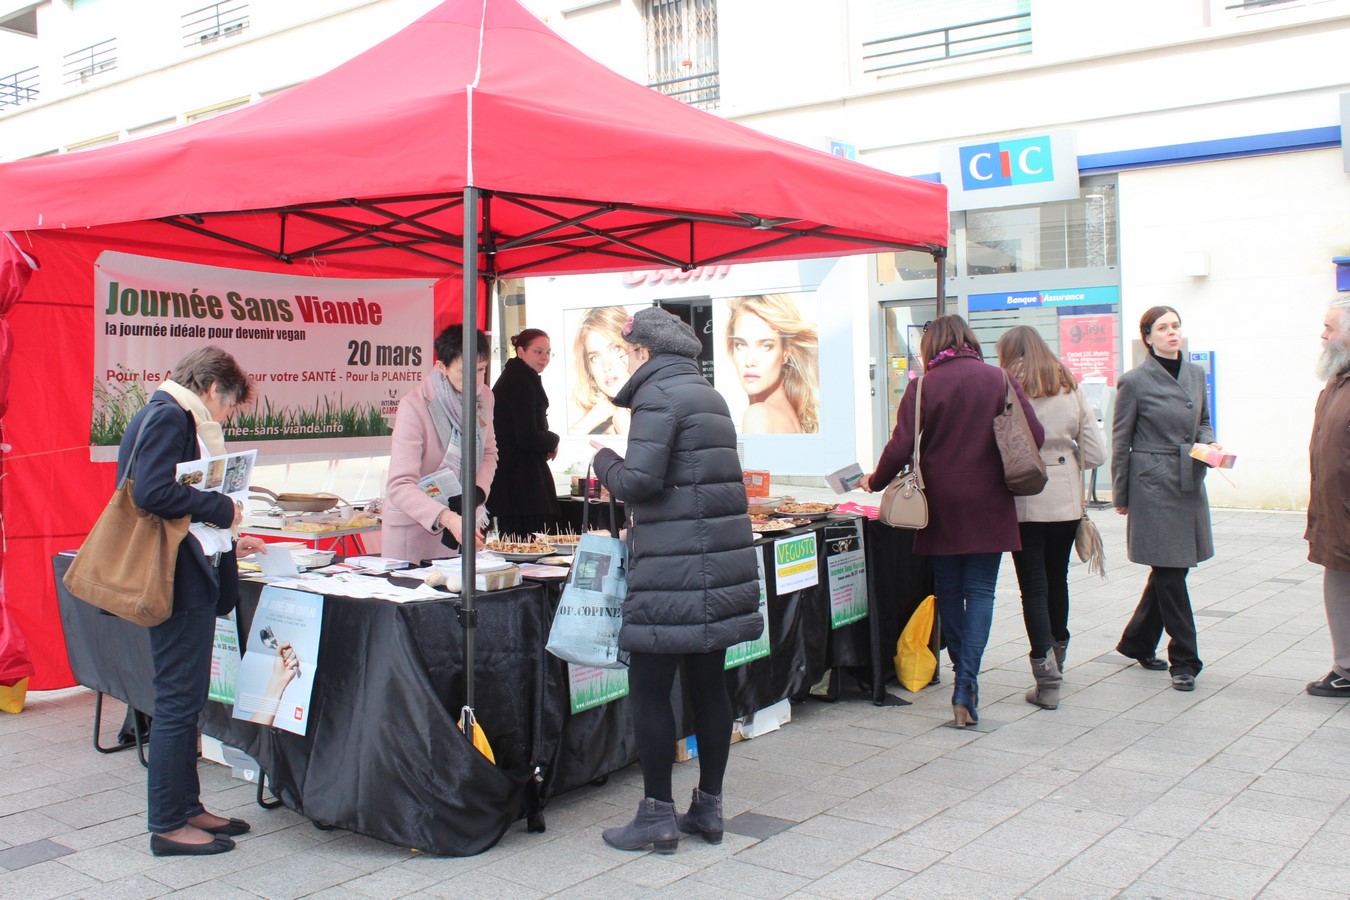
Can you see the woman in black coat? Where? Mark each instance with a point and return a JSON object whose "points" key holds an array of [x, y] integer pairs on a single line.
{"points": [[182, 417], [523, 498], [693, 584]]}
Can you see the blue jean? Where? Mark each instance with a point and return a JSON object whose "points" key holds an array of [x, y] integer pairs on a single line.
{"points": [[965, 599], [180, 648]]}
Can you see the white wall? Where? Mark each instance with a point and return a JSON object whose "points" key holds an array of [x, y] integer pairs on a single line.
{"points": [[1270, 226]]}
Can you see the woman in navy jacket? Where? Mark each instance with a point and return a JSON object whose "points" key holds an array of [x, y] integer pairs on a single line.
{"points": [[185, 417], [972, 519]]}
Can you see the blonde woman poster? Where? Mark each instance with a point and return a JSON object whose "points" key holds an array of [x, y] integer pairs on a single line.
{"points": [[773, 346], [597, 367]]}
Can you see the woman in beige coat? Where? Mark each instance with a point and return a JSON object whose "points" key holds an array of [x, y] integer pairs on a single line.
{"points": [[426, 439], [1048, 521]]}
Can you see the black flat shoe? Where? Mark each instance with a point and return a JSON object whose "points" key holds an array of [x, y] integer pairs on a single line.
{"points": [[1183, 682], [162, 846], [232, 828], [1152, 663]]}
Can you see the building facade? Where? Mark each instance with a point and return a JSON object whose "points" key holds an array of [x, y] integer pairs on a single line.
{"points": [[1101, 160]]}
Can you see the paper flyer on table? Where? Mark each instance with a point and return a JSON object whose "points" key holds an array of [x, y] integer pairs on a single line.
{"points": [[281, 659]]}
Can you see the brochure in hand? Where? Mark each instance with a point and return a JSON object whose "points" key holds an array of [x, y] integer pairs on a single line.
{"points": [[230, 474], [441, 485]]}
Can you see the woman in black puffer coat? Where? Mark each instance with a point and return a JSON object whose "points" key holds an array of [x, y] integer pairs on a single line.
{"points": [[693, 585]]}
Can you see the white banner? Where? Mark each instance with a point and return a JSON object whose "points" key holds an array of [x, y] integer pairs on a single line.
{"points": [[330, 357]]}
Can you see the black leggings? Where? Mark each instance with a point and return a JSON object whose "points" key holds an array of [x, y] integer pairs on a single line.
{"points": [[1043, 576], [650, 679]]}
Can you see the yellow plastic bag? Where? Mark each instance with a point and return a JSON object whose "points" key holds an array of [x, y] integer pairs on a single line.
{"points": [[13, 695], [914, 662]]}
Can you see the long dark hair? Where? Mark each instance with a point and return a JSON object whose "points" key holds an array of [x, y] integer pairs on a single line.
{"points": [[947, 333], [1029, 359]]}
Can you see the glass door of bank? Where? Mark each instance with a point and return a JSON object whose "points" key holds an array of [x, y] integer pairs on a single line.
{"points": [[902, 327]]}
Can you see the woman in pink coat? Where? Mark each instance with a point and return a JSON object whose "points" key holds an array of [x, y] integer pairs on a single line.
{"points": [[426, 440]]}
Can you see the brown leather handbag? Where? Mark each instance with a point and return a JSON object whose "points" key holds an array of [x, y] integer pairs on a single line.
{"points": [[1023, 469], [126, 564]]}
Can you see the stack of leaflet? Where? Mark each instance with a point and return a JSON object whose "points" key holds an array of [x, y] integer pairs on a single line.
{"points": [[491, 573], [377, 563]]}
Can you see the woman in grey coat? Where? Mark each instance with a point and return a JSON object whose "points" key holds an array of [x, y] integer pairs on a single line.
{"points": [[693, 583], [1048, 521], [1161, 411]]}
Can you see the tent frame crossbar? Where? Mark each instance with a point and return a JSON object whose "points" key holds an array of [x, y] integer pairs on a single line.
{"points": [[569, 234]]}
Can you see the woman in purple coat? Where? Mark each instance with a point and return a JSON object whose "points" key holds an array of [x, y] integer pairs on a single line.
{"points": [[972, 519]]}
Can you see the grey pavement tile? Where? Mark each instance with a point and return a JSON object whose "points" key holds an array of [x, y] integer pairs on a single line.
{"points": [[43, 881], [1227, 878], [96, 808], [1277, 828], [32, 825], [1027, 865], [949, 881], [1315, 785], [652, 871], [835, 828], [104, 833], [905, 853], [138, 887], [747, 879], [390, 881], [30, 854], [477, 883], [1112, 790], [1218, 845], [552, 867], [857, 879], [1282, 888], [39, 799], [111, 862], [1179, 812], [291, 876], [799, 854], [1108, 867], [1062, 887], [798, 806], [758, 825]]}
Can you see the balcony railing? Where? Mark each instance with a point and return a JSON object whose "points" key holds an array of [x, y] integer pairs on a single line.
{"points": [[1255, 4], [986, 37], [702, 89], [211, 23], [89, 61], [19, 88]]}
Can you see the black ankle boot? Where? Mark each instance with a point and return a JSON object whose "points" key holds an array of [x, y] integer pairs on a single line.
{"points": [[654, 826], [704, 817]]}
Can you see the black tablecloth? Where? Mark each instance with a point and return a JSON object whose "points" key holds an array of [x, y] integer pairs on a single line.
{"points": [[384, 756]]}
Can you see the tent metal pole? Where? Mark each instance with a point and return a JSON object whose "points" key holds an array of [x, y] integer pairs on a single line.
{"points": [[940, 261], [468, 472]]}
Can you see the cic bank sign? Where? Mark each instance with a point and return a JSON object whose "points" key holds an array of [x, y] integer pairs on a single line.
{"points": [[1011, 171]]}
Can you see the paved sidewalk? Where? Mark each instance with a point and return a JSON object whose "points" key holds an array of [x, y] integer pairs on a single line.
{"points": [[1129, 789]]}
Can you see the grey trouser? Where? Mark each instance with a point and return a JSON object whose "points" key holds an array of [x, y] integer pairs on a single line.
{"points": [[1336, 596]]}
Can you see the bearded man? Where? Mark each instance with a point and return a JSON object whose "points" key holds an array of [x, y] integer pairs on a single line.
{"points": [[1328, 533]]}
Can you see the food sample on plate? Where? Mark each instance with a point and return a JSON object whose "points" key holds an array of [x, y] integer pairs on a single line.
{"points": [[560, 540], [763, 524], [806, 509], [362, 520], [311, 527], [518, 547]]}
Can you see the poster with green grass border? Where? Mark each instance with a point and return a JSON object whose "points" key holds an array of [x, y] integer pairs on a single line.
{"points": [[224, 661], [756, 648], [329, 358], [591, 687], [848, 582]]}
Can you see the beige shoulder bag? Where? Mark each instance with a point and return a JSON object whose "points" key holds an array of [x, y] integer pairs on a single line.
{"points": [[903, 504]]}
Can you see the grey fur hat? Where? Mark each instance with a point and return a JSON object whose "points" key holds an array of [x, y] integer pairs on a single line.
{"points": [[662, 332]]}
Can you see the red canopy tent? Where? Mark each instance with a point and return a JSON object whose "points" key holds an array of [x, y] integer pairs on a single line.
{"points": [[475, 127]]}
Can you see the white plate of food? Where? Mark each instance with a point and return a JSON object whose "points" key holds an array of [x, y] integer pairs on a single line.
{"points": [[564, 544], [520, 551], [808, 511]]}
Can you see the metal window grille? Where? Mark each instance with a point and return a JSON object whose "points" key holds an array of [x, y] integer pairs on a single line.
{"points": [[19, 87], [1255, 4], [986, 37], [211, 23], [682, 50], [89, 61]]}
